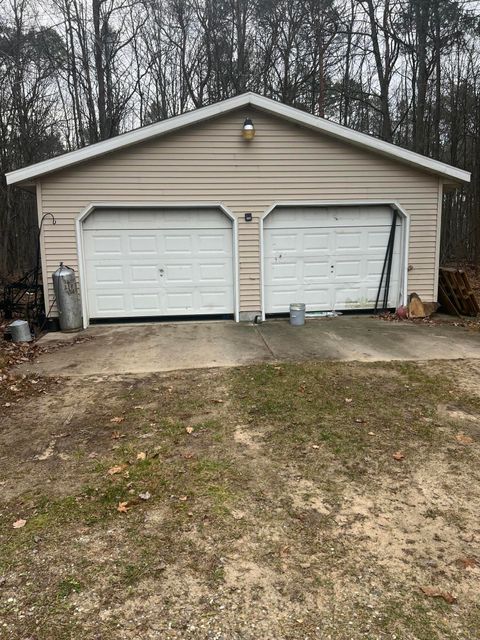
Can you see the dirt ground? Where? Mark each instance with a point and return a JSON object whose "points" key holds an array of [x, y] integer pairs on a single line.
{"points": [[323, 500]]}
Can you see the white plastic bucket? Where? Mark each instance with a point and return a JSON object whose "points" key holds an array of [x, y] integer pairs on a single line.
{"points": [[297, 314]]}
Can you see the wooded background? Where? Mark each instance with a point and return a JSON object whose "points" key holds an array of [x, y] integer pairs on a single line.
{"points": [[73, 72]]}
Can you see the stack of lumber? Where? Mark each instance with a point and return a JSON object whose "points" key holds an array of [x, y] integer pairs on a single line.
{"points": [[455, 293]]}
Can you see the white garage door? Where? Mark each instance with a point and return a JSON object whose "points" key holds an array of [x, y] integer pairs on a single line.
{"points": [[330, 258], [167, 262]]}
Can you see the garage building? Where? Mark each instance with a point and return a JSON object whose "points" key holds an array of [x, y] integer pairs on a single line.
{"points": [[187, 218]]}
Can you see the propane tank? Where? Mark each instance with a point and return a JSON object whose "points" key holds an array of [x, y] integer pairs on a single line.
{"points": [[68, 299]]}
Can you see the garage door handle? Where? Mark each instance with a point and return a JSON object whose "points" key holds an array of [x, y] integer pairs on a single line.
{"points": [[161, 271]]}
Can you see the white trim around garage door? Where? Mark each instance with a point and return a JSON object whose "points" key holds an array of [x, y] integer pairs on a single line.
{"points": [[338, 203], [151, 205]]}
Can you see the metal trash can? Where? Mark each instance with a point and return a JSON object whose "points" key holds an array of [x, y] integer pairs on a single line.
{"points": [[297, 314], [20, 331]]}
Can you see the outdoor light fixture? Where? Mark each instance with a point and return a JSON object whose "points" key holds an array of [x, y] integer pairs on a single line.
{"points": [[248, 130]]}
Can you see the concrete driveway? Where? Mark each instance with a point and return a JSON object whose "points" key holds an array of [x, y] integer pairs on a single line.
{"points": [[149, 348]]}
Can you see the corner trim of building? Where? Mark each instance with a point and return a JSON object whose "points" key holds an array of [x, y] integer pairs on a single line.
{"points": [[438, 240]]}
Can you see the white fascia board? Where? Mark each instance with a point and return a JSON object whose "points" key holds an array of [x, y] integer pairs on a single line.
{"points": [[361, 139], [126, 139], [447, 172]]}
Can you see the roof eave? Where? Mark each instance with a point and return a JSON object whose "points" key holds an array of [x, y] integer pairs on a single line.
{"points": [[450, 174], [125, 140], [387, 149]]}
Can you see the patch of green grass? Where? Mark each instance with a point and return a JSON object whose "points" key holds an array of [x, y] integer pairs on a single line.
{"points": [[411, 612], [359, 414], [131, 574], [220, 498], [68, 586]]}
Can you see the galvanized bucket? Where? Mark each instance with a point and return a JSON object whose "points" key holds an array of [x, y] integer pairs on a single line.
{"points": [[20, 331], [297, 314]]}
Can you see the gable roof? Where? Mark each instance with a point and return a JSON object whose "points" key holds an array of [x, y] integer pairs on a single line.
{"points": [[447, 172]]}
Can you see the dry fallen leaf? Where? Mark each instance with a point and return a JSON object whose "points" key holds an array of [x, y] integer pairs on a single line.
{"points": [[464, 439], [315, 446], [432, 592], [18, 524], [145, 496], [188, 455], [348, 400], [122, 507], [141, 456], [189, 429], [116, 469], [398, 455], [218, 401], [468, 562], [117, 419], [183, 498], [116, 435]]}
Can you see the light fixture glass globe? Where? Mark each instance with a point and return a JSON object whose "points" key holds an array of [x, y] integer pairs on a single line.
{"points": [[248, 130]]}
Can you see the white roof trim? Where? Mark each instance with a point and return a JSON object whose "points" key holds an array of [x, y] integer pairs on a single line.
{"points": [[245, 100]]}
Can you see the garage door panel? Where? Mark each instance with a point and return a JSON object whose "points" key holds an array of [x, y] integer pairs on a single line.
{"points": [[316, 271], [317, 298], [279, 300], [108, 274], [178, 273], [105, 246], [142, 245], [152, 218], [374, 269], [348, 240], [109, 302], [171, 271], [282, 242], [179, 302], [378, 238], [280, 272], [350, 296], [347, 269], [211, 301], [178, 244], [145, 303], [213, 244], [308, 217], [214, 273], [337, 260], [143, 274], [314, 242]]}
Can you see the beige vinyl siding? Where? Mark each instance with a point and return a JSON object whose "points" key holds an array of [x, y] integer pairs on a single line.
{"points": [[210, 163]]}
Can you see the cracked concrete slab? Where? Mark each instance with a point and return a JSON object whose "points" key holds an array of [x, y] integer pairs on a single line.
{"points": [[148, 348]]}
